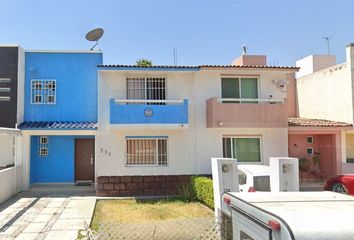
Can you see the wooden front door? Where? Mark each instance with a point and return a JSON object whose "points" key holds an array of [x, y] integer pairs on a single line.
{"points": [[84, 159]]}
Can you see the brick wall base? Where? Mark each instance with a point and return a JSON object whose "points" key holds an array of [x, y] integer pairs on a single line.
{"points": [[160, 185]]}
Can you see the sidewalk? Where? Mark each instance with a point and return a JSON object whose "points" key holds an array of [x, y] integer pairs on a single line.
{"points": [[41, 214]]}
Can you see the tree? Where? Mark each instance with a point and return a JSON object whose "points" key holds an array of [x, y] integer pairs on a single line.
{"points": [[143, 62]]}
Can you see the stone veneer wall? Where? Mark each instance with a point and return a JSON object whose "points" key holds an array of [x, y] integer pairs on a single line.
{"points": [[140, 185]]}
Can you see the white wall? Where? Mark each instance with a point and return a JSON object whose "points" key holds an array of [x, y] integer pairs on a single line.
{"points": [[6, 150], [20, 85], [190, 150], [326, 94], [7, 180]]}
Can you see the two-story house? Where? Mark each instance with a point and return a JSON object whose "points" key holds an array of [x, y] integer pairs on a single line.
{"points": [[325, 107], [159, 125], [11, 111], [60, 116]]}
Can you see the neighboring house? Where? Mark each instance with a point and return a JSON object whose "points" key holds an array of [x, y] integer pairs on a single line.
{"points": [[159, 125], [11, 114], [60, 117], [325, 104]]}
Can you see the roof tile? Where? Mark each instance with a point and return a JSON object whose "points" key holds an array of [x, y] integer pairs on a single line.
{"points": [[58, 125], [304, 122]]}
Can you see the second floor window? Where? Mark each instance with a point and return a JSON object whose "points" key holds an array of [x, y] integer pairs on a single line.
{"points": [[146, 88], [43, 91], [239, 88]]}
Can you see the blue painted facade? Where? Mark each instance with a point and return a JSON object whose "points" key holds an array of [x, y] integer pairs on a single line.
{"points": [[58, 166], [161, 114], [76, 85]]}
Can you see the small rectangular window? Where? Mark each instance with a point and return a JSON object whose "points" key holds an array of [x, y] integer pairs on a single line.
{"points": [[146, 151], [5, 90], [43, 146], [5, 80], [43, 91], [309, 151], [4, 99], [309, 139]]}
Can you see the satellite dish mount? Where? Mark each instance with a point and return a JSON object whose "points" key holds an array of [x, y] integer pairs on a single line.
{"points": [[94, 35]]}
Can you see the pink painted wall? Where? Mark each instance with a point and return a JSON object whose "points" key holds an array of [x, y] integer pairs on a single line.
{"points": [[325, 144], [245, 114], [291, 95], [256, 60]]}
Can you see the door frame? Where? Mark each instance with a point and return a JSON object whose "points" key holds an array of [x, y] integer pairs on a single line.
{"points": [[75, 159]]}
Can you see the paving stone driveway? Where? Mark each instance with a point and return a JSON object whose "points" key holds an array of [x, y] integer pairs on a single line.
{"points": [[38, 216]]}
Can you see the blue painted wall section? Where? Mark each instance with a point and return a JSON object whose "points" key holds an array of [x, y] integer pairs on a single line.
{"points": [[76, 79], [161, 114], [58, 166]]}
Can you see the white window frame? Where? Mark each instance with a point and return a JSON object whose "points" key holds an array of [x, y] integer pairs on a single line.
{"points": [[247, 136], [312, 151], [156, 157], [43, 94], [43, 146], [307, 137], [239, 82], [145, 84]]}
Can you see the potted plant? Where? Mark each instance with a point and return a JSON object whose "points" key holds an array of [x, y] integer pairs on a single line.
{"points": [[316, 163], [303, 166]]}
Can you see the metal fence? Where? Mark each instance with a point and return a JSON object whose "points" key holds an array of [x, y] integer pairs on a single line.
{"points": [[186, 229]]}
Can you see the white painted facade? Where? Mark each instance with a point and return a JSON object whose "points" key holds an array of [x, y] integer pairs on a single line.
{"points": [[327, 94], [189, 149]]}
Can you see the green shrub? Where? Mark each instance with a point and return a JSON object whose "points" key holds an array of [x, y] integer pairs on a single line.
{"points": [[203, 188], [187, 193]]}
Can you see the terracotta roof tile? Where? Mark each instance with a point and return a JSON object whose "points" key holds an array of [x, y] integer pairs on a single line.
{"points": [[197, 67], [304, 122]]}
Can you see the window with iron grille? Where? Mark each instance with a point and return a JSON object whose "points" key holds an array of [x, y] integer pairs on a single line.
{"points": [[146, 151], [43, 91], [43, 146], [146, 88]]}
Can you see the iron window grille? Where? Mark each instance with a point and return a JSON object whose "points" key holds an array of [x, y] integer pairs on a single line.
{"points": [[146, 152], [146, 88], [43, 146], [43, 91]]}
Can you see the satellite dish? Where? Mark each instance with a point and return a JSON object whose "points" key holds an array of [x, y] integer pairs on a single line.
{"points": [[94, 35]]}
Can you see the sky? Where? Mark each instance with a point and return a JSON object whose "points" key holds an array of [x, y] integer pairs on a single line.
{"points": [[203, 31]]}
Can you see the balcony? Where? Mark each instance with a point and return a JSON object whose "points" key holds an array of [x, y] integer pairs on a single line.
{"points": [[252, 113], [169, 114]]}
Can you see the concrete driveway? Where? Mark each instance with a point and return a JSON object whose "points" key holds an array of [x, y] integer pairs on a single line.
{"points": [[47, 213]]}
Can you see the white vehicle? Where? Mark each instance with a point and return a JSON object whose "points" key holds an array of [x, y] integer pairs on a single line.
{"points": [[254, 177], [291, 215]]}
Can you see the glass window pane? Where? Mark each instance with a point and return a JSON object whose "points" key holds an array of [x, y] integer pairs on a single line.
{"points": [[247, 149], [230, 88], [249, 88]]}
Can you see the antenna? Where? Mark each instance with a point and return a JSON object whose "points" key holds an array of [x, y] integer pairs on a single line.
{"points": [[244, 49], [94, 35], [327, 39], [175, 56]]}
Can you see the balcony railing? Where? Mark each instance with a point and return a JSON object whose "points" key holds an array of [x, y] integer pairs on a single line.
{"points": [[130, 111], [246, 112]]}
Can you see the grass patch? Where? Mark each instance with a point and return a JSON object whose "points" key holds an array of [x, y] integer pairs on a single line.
{"points": [[143, 211]]}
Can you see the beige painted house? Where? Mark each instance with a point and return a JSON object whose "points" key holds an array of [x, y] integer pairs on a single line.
{"points": [[158, 125]]}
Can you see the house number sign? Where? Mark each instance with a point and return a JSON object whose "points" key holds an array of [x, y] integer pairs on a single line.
{"points": [[148, 112]]}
